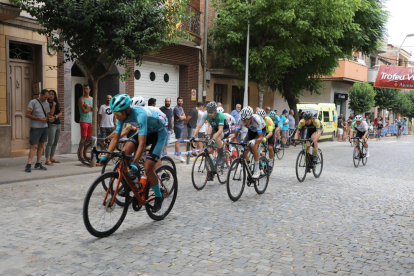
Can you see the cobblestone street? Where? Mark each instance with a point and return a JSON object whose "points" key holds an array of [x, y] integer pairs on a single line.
{"points": [[349, 221]]}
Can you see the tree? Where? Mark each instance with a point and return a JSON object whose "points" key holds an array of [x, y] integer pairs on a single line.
{"points": [[403, 104], [410, 96], [106, 32], [293, 43], [361, 97], [385, 97]]}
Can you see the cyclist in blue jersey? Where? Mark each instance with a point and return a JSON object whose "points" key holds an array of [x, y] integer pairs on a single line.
{"points": [[151, 131]]}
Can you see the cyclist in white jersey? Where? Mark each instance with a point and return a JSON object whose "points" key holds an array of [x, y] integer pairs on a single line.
{"points": [[362, 131], [256, 130]]}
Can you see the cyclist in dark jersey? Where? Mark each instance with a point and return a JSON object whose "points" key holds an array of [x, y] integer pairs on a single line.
{"points": [[310, 128], [220, 126]]}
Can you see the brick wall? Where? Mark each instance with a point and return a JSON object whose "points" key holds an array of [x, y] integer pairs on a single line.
{"points": [[61, 88], [188, 60]]}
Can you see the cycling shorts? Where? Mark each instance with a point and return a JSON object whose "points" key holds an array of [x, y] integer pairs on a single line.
{"points": [[250, 136], [157, 140], [359, 134], [272, 140], [306, 133], [224, 134]]}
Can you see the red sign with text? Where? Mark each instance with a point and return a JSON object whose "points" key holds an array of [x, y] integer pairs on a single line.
{"points": [[395, 77]]}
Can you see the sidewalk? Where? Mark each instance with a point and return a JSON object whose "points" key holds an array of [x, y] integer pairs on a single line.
{"points": [[12, 169]]}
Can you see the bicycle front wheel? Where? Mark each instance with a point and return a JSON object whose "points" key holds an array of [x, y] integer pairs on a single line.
{"points": [[100, 216], [364, 157], [260, 184], [169, 189], [166, 160], [236, 179], [317, 168], [301, 166], [280, 152], [356, 156], [200, 171]]}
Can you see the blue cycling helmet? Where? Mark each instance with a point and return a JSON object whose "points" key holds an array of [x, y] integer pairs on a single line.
{"points": [[272, 114], [120, 102]]}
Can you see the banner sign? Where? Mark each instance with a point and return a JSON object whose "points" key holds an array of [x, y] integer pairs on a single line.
{"points": [[395, 77]]}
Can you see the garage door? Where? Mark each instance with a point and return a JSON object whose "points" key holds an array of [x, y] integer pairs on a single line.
{"points": [[157, 80]]}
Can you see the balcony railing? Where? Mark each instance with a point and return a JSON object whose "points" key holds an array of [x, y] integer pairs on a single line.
{"points": [[193, 25]]}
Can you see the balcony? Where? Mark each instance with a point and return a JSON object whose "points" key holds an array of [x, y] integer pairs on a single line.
{"points": [[349, 71], [193, 26], [372, 74], [8, 11]]}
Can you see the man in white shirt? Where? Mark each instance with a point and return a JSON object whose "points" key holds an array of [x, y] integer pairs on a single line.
{"points": [[105, 118], [204, 128]]}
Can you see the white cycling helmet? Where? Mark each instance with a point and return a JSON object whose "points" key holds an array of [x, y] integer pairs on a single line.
{"points": [[220, 109], [261, 113], [138, 101], [358, 118], [246, 113], [211, 107]]}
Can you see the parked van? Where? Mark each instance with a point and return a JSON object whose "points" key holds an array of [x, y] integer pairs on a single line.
{"points": [[326, 113]]}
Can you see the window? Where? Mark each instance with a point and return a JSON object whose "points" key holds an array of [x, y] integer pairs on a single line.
{"points": [[137, 74], [166, 77], [20, 51], [326, 116], [152, 76], [218, 92], [373, 61]]}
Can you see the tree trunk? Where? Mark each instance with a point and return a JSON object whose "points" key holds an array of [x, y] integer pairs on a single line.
{"points": [[260, 88], [291, 99], [94, 116]]}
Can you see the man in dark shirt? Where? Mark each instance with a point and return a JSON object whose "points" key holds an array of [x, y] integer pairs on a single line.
{"points": [[192, 120], [169, 113], [340, 129]]}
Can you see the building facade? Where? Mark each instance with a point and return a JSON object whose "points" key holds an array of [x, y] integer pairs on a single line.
{"points": [[24, 70]]}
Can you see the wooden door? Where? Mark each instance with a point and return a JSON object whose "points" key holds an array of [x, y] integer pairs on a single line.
{"points": [[21, 83]]}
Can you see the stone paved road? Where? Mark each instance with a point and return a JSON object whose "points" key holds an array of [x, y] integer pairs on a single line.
{"points": [[349, 221]]}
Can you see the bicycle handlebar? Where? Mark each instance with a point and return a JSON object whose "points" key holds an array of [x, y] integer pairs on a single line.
{"points": [[120, 154]]}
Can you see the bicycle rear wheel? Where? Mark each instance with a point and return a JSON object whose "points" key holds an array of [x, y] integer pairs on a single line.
{"points": [[101, 218], [166, 160], [169, 189], [301, 166], [317, 168], [356, 156], [260, 184], [81, 156], [236, 179], [222, 172], [87, 150], [200, 171], [280, 152]]}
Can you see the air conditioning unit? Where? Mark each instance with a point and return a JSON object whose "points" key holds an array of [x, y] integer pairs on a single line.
{"points": [[208, 75]]}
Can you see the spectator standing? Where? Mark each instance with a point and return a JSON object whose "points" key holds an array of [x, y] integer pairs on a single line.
{"points": [[292, 123], [85, 109], [192, 119], [284, 126], [219, 104], [166, 109], [340, 128], [152, 102], [53, 132], [375, 121], [236, 113], [179, 117], [37, 112], [268, 111], [202, 133], [105, 118], [300, 114]]}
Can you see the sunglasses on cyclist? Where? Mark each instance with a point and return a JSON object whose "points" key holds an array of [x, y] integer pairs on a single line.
{"points": [[118, 113]]}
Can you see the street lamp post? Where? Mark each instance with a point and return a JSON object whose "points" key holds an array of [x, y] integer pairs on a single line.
{"points": [[399, 49]]}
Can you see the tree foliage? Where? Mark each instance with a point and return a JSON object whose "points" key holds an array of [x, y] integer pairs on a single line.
{"points": [[361, 97], [403, 104], [385, 97], [295, 42], [101, 33]]}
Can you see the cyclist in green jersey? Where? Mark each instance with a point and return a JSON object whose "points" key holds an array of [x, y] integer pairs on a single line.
{"points": [[220, 126]]}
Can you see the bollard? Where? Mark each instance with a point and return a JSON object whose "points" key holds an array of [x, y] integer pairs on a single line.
{"points": [[188, 155]]}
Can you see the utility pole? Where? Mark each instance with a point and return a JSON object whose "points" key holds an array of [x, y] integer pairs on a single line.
{"points": [[205, 47]]}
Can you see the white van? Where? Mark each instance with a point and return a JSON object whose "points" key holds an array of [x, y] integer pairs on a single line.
{"points": [[326, 113]]}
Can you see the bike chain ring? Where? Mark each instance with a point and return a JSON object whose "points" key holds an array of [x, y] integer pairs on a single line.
{"points": [[135, 205]]}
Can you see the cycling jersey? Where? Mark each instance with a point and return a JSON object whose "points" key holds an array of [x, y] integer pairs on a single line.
{"points": [[353, 125], [269, 124], [160, 114], [256, 125], [230, 119], [216, 122], [362, 127], [380, 125], [148, 121], [399, 124], [315, 124]]}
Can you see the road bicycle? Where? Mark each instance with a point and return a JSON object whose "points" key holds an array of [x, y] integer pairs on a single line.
{"points": [[279, 149], [240, 171], [305, 163], [359, 153], [378, 135], [84, 149], [398, 132], [205, 167], [104, 210]]}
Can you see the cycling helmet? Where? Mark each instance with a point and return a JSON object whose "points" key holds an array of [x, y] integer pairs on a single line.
{"points": [[358, 118], [211, 107], [120, 102], [220, 109], [261, 113], [307, 115], [272, 114], [138, 101], [246, 113]]}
